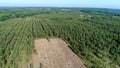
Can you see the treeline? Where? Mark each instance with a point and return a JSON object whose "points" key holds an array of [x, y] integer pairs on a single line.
{"points": [[8, 13]]}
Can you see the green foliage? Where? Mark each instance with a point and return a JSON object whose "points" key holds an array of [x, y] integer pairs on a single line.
{"points": [[92, 35]]}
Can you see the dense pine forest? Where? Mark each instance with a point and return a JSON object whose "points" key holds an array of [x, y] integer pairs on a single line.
{"points": [[92, 33]]}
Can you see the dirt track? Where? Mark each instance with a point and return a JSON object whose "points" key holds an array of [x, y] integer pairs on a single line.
{"points": [[54, 53]]}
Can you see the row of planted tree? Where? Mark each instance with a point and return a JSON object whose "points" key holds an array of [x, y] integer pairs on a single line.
{"points": [[93, 37]]}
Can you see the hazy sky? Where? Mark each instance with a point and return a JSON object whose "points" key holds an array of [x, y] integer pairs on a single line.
{"points": [[63, 3]]}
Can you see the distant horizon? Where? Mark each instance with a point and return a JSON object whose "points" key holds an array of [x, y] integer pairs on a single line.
{"points": [[110, 4], [54, 7]]}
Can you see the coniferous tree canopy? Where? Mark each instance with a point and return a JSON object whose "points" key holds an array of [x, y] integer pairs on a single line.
{"points": [[93, 34]]}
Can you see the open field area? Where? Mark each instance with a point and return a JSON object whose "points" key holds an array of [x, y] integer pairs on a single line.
{"points": [[53, 53], [93, 34]]}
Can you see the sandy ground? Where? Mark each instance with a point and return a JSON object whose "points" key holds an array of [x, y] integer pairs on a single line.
{"points": [[53, 53]]}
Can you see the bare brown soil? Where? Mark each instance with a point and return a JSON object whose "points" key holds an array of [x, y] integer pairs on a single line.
{"points": [[54, 53]]}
